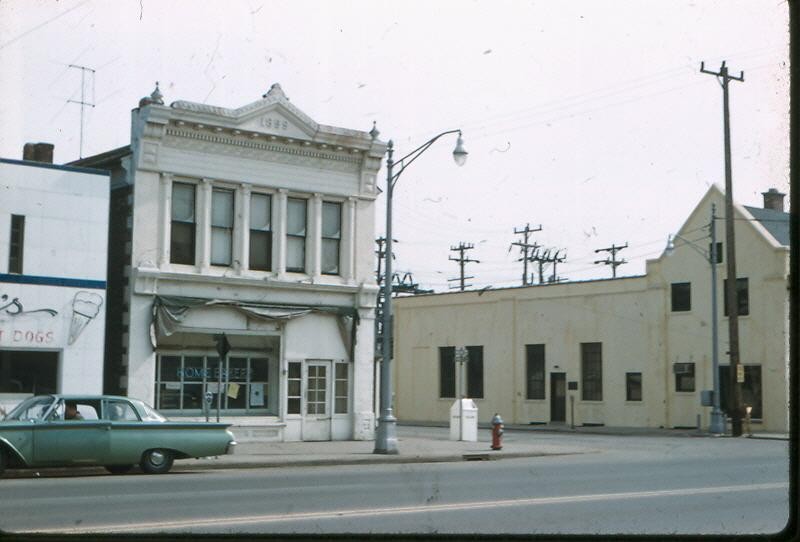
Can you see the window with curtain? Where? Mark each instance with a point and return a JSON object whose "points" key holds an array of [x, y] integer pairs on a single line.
{"points": [[182, 232], [221, 226], [261, 232], [296, 218], [331, 237]]}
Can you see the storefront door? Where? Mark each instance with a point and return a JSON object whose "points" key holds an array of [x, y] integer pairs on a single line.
{"points": [[317, 415]]}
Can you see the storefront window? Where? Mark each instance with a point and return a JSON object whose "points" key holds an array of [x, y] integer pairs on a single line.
{"points": [[28, 371], [341, 391], [294, 386], [247, 387]]}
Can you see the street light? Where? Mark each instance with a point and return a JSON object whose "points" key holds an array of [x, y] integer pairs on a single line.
{"points": [[717, 425], [386, 434]]}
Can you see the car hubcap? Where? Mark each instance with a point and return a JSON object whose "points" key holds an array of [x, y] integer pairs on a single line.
{"points": [[157, 458]]}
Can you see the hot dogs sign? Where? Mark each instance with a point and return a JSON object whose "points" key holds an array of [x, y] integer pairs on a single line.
{"points": [[23, 324]]}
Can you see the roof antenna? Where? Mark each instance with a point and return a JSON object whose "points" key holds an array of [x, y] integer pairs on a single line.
{"points": [[83, 103]]}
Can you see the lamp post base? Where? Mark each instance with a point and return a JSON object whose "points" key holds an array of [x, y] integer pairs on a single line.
{"points": [[717, 425], [386, 436]]}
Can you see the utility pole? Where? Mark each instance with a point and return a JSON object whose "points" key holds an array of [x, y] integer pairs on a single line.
{"points": [[83, 103], [462, 260], [381, 253], [406, 285], [541, 258], [557, 259], [524, 247], [612, 261], [736, 369]]}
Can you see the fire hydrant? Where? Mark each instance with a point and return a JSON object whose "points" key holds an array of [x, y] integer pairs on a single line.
{"points": [[497, 432]]}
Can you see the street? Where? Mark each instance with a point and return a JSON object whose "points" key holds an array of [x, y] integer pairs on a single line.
{"points": [[621, 484]]}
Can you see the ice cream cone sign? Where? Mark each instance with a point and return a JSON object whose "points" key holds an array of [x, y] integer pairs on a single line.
{"points": [[85, 306]]}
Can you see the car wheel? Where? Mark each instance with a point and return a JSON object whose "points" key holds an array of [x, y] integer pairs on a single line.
{"points": [[3, 461], [118, 469], [156, 461]]}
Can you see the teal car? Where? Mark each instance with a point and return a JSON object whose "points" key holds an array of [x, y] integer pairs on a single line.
{"points": [[103, 430]]}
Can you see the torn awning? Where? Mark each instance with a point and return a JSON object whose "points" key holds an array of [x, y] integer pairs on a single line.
{"points": [[169, 312]]}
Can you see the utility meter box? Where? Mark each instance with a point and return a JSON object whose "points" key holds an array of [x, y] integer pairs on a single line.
{"points": [[707, 398], [464, 420]]}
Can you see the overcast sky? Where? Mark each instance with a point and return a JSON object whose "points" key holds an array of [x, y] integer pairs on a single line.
{"points": [[589, 118]]}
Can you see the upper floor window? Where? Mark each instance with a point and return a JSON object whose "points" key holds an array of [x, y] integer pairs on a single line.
{"points": [[296, 219], [182, 240], [261, 232], [681, 296], [221, 226], [719, 251], [742, 296], [16, 244], [331, 237]]}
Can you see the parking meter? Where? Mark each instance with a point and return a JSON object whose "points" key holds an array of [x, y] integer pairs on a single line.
{"points": [[209, 397]]}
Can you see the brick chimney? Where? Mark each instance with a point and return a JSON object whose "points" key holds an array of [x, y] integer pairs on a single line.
{"points": [[773, 199], [38, 152]]}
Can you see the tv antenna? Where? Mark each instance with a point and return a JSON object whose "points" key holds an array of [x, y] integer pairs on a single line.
{"points": [[83, 103]]}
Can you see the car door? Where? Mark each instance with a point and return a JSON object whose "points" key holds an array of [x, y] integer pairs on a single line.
{"points": [[57, 441], [128, 436]]}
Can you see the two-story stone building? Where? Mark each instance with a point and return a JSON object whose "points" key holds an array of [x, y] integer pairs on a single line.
{"points": [[256, 223]]}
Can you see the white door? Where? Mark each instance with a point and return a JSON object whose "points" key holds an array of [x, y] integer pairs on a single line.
{"points": [[317, 415]]}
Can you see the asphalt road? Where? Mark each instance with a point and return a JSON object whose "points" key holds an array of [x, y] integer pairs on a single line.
{"points": [[655, 485]]}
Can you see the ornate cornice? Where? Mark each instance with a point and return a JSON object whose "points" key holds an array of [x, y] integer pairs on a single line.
{"points": [[278, 148]]}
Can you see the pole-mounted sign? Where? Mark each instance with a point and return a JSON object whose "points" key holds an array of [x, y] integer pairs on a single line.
{"points": [[223, 347]]}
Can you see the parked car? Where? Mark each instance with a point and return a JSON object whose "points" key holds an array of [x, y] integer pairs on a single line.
{"points": [[103, 430]]}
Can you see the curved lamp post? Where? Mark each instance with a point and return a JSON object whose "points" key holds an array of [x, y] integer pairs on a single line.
{"points": [[717, 416], [386, 434]]}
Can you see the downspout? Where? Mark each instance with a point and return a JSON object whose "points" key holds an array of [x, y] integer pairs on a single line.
{"points": [[514, 361]]}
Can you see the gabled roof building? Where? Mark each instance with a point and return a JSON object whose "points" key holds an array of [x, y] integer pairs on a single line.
{"points": [[633, 351]]}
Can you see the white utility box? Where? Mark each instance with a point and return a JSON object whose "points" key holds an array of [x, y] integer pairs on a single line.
{"points": [[464, 420]]}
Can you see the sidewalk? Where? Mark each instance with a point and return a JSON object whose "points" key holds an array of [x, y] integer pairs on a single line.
{"points": [[416, 444]]}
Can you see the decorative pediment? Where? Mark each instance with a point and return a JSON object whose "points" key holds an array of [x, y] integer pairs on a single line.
{"points": [[273, 114]]}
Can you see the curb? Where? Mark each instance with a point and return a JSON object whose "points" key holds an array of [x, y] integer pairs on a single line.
{"points": [[210, 464]]}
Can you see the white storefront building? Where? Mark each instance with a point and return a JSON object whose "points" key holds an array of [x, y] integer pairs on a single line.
{"points": [[256, 223], [53, 242]]}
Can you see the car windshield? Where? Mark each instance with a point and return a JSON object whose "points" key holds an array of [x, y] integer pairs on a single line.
{"points": [[33, 408]]}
